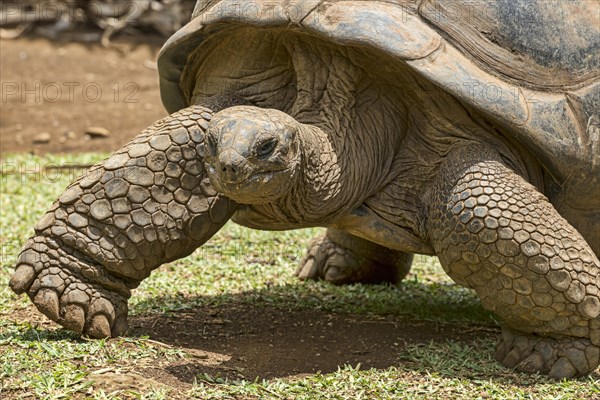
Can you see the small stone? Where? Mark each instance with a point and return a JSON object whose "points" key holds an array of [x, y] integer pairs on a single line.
{"points": [[97, 132], [69, 135], [42, 138]]}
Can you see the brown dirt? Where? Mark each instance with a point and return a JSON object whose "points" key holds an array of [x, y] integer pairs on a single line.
{"points": [[56, 87], [246, 342]]}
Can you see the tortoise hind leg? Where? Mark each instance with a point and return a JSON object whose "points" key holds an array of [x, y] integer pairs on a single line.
{"points": [[495, 233], [148, 204], [341, 258]]}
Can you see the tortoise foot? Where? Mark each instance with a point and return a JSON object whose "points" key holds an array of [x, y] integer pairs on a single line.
{"points": [[565, 357], [341, 258], [71, 289]]}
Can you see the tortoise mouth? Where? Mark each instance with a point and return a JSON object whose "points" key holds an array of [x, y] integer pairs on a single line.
{"points": [[257, 187]]}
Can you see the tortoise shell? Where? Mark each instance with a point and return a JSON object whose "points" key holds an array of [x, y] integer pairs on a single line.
{"points": [[532, 68]]}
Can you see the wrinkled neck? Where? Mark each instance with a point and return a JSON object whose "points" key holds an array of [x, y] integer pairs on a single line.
{"points": [[323, 190]]}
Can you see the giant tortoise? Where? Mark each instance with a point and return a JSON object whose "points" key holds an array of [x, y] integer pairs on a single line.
{"points": [[463, 129]]}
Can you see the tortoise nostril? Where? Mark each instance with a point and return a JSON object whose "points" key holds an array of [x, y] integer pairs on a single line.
{"points": [[228, 168]]}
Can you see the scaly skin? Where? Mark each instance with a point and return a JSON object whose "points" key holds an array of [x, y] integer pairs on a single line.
{"points": [[495, 233], [149, 203], [341, 258]]}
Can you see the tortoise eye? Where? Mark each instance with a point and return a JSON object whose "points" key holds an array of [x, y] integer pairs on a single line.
{"points": [[266, 148]]}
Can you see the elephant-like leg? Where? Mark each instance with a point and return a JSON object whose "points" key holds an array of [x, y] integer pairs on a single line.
{"points": [[149, 203], [495, 233]]}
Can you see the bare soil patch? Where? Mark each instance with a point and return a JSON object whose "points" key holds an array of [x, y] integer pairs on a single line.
{"points": [[59, 87], [246, 342]]}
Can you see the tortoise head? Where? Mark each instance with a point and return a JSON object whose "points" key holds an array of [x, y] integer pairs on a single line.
{"points": [[252, 155]]}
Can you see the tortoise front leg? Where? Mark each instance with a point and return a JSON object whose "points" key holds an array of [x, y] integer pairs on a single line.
{"points": [[495, 233], [341, 258], [149, 203]]}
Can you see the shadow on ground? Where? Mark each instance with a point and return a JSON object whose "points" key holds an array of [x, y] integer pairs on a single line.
{"points": [[240, 339]]}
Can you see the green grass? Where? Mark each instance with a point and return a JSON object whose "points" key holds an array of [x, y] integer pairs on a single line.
{"points": [[240, 266]]}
